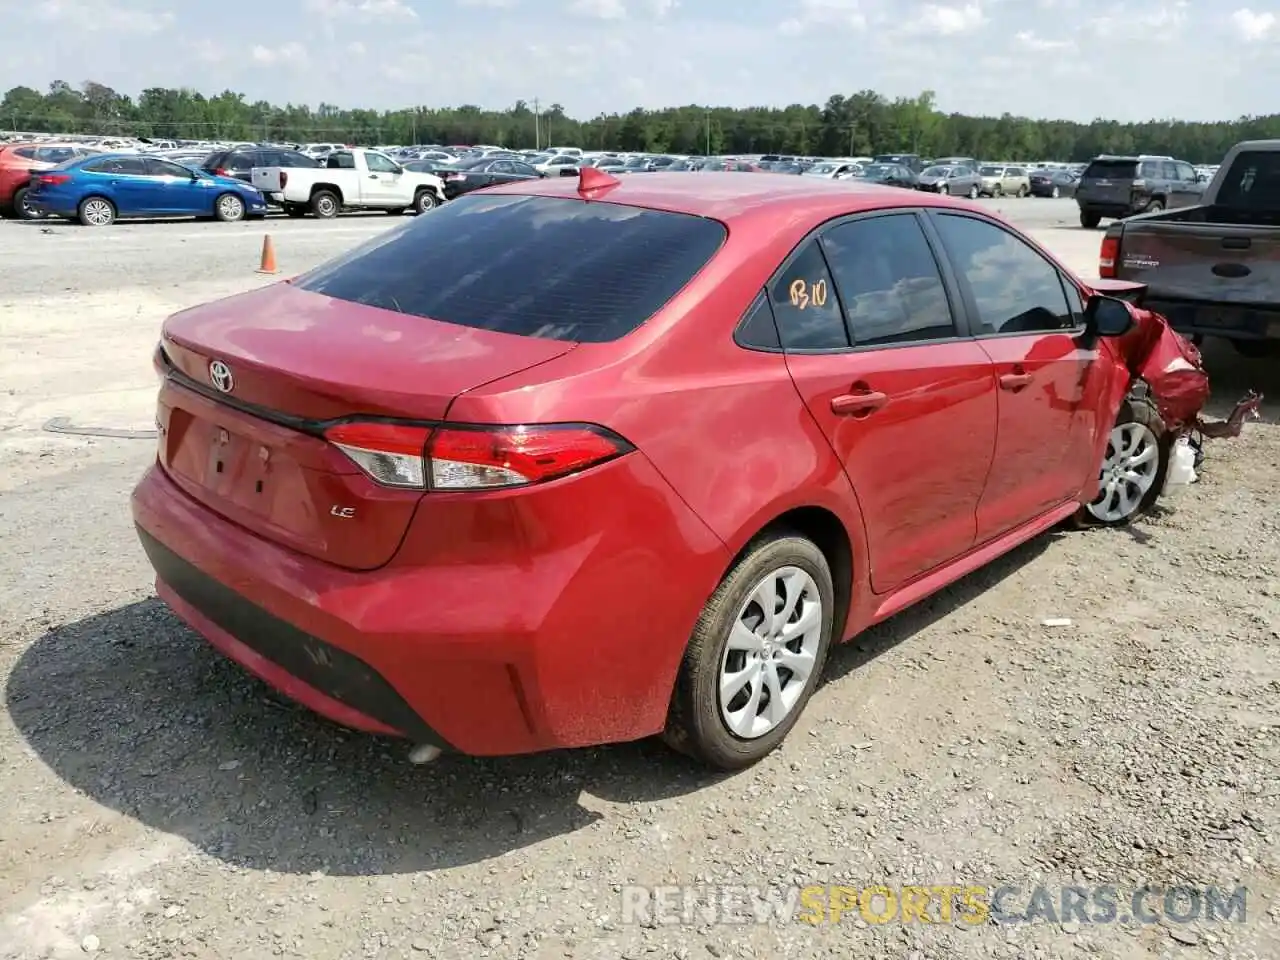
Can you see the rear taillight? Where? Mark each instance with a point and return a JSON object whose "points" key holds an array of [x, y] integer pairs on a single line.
{"points": [[472, 457], [1108, 256], [221, 171], [454, 177], [284, 179], [53, 179]]}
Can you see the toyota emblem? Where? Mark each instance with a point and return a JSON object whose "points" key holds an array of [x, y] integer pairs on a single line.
{"points": [[220, 376]]}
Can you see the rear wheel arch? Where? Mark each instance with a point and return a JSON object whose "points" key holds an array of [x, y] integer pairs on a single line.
{"points": [[327, 188], [831, 536]]}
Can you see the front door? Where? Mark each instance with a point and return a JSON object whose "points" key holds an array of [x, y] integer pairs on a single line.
{"points": [[381, 186], [908, 405], [1045, 368]]}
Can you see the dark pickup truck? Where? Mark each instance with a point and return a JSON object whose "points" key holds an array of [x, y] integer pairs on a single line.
{"points": [[1213, 268]]}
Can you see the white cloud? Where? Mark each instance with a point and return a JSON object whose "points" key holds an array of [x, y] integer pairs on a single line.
{"points": [[1033, 41], [105, 18], [599, 9], [287, 53], [367, 11], [948, 21], [491, 4], [813, 14], [1255, 27]]}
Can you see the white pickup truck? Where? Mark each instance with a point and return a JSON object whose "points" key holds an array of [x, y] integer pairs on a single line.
{"points": [[350, 179]]}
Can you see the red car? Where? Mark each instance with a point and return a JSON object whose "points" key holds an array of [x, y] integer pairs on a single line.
{"points": [[575, 461], [18, 161]]}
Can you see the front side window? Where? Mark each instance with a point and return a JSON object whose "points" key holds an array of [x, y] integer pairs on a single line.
{"points": [[1015, 289], [805, 304], [545, 267], [377, 163], [888, 281]]}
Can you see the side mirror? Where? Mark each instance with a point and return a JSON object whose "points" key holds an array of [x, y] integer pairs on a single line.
{"points": [[1107, 316]]}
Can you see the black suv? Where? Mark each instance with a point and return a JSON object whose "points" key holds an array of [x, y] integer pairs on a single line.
{"points": [[240, 162], [1117, 187]]}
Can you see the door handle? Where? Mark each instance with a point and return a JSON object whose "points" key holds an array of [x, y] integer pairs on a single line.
{"points": [[859, 404], [373, 176], [1015, 381]]}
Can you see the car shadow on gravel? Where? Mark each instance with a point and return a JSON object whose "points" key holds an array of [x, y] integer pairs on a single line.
{"points": [[884, 636], [135, 711]]}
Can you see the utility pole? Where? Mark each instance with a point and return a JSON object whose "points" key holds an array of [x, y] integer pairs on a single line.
{"points": [[708, 118], [537, 126]]}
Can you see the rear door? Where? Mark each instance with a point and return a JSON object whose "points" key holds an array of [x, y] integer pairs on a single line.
{"points": [[907, 403], [175, 190], [1030, 325], [132, 190]]}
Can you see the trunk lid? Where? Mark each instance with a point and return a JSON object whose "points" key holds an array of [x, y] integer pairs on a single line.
{"points": [[247, 446], [1202, 262]]}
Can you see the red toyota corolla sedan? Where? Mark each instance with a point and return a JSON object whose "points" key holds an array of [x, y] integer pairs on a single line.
{"points": [[575, 462]]}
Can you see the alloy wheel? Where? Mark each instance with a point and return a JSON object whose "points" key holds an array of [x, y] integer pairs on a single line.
{"points": [[230, 208], [1128, 472], [97, 212], [771, 652]]}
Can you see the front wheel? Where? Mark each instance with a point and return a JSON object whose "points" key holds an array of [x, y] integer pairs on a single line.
{"points": [[1055, 193], [229, 208], [755, 655], [943, 189], [973, 193], [1133, 467], [1022, 193], [997, 192], [424, 201]]}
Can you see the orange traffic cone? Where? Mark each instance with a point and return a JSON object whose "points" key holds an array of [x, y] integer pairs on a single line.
{"points": [[268, 264]]}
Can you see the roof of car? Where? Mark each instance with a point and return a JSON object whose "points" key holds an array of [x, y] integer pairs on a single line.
{"points": [[731, 196]]}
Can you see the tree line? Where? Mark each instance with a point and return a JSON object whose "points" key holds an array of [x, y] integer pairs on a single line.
{"points": [[859, 124]]}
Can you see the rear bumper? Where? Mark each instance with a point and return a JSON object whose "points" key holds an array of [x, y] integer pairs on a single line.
{"points": [[1109, 210], [1218, 320], [574, 643]]}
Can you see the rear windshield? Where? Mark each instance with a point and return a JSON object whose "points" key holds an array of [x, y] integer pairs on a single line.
{"points": [[1252, 181], [1111, 169], [546, 267]]}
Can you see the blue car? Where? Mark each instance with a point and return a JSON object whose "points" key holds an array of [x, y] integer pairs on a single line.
{"points": [[100, 189]]}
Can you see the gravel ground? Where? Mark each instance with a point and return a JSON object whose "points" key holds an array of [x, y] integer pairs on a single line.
{"points": [[162, 804]]}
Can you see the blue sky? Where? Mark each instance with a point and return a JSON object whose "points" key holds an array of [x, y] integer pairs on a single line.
{"points": [[1077, 59]]}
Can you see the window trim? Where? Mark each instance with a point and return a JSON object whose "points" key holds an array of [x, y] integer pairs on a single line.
{"points": [[966, 290], [761, 298], [796, 252]]}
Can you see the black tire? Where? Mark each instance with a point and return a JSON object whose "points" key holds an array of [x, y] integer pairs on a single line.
{"points": [[944, 190], [20, 208], [997, 192], [1055, 193], [229, 208], [1155, 206], [1141, 410], [325, 204], [294, 210], [424, 200], [396, 211], [694, 723], [1022, 193], [973, 193], [1089, 221], [96, 212]]}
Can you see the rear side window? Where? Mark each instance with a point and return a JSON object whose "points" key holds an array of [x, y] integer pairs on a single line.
{"points": [[805, 306], [1111, 170], [888, 281], [1253, 180], [542, 267], [55, 154], [26, 153]]}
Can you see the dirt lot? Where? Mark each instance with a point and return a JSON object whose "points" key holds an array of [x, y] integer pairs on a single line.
{"points": [[159, 803]]}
